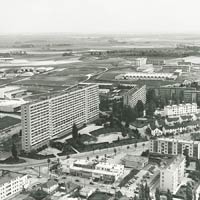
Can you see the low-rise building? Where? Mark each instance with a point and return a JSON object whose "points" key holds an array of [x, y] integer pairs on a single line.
{"points": [[10, 92], [50, 186], [12, 183], [92, 169], [139, 61], [146, 76], [11, 105], [133, 161], [156, 132], [68, 187], [108, 172], [172, 174], [184, 66], [168, 146], [87, 191]]}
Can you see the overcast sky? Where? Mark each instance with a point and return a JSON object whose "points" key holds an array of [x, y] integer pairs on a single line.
{"points": [[100, 16]]}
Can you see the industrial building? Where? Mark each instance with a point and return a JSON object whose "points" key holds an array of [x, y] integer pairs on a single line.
{"points": [[55, 116], [180, 65], [146, 76]]}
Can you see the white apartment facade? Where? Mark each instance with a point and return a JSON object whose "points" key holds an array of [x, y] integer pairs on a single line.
{"points": [[135, 94], [11, 184], [181, 109], [168, 146], [172, 175], [47, 119]]}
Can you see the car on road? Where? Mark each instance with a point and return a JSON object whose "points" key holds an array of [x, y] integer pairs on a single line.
{"points": [[77, 180]]}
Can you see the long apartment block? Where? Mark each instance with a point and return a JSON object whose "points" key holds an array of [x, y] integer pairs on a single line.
{"points": [[55, 116], [168, 146], [135, 94]]}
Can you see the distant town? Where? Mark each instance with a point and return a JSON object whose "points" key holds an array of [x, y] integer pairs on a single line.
{"points": [[89, 118]]}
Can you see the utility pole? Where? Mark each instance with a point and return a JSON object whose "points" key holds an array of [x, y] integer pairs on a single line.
{"points": [[39, 172]]}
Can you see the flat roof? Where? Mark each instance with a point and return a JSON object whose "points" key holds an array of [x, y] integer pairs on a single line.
{"points": [[83, 162], [175, 163], [7, 176], [178, 140], [12, 102], [109, 165], [148, 74], [59, 93], [134, 158], [186, 104]]}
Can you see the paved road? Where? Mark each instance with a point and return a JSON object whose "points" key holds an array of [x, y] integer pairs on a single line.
{"points": [[121, 151]]}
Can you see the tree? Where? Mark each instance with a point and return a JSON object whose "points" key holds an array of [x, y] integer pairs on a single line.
{"points": [[198, 165], [139, 108], [74, 132], [136, 133], [135, 198], [135, 144], [199, 197], [157, 194], [148, 131], [141, 192], [147, 192], [151, 107], [143, 146], [115, 151], [151, 96], [14, 152], [187, 158], [111, 121], [188, 191], [128, 114], [104, 105], [38, 194], [169, 195], [127, 124]]}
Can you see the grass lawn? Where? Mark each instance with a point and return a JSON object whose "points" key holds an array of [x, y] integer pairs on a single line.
{"points": [[11, 160], [101, 131], [8, 121]]}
